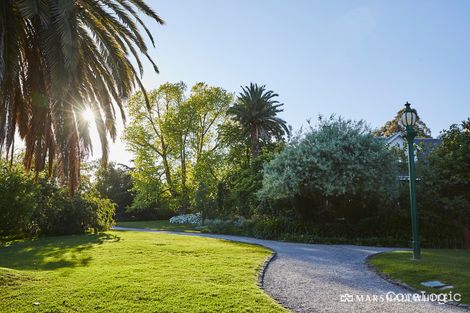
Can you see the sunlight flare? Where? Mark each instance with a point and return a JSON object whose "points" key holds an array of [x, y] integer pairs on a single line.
{"points": [[88, 115]]}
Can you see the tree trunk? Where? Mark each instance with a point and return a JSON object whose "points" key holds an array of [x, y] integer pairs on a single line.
{"points": [[254, 144], [184, 189], [466, 237], [166, 167]]}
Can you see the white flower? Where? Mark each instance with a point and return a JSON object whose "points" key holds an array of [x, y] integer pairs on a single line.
{"points": [[193, 219]]}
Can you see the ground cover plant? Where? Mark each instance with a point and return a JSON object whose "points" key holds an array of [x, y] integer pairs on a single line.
{"points": [[132, 272]]}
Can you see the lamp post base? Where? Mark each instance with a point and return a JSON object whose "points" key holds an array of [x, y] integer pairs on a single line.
{"points": [[416, 251]]}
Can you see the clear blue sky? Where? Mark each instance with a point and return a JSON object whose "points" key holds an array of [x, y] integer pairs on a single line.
{"points": [[358, 59]]}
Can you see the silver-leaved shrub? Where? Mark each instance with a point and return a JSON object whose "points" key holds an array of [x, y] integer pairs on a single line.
{"points": [[338, 158]]}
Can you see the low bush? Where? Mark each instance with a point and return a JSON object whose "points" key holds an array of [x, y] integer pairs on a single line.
{"points": [[270, 228], [193, 219], [17, 201], [284, 229], [236, 226], [59, 214], [35, 208], [145, 214], [228, 229]]}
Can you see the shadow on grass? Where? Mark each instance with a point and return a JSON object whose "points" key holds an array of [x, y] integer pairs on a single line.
{"points": [[49, 253]]}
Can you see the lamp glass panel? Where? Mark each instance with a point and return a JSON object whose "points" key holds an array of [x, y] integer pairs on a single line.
{"points": [[412, 118], [404, 119], [408, 118]]}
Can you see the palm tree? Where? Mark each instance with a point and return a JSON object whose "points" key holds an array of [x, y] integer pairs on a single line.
{"points": [[256, 112], [58, 58]]}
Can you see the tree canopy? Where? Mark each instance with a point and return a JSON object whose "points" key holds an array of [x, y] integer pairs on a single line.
{"points": [[256, 112], [338, 159], [58, 58], [394, 126], [447, 178], [177, 142], [114, 182]]}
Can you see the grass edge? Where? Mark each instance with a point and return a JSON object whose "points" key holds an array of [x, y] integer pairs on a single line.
{"points": [[367, 262]]}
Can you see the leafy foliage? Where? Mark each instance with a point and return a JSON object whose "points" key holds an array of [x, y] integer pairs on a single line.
{"points": [[59, 214], [17, 200], [203, 201], [256, 112], [114, 182], [29, 208], [394, 126], [243, 182], [446, 181], [176, 142], [333, 166], [57, 58]]}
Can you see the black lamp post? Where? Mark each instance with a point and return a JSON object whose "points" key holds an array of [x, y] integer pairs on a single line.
{"points": [[409, 119]]}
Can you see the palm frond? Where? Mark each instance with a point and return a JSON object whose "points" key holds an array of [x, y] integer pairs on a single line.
{"points": [[58, 57], [256, 112]]}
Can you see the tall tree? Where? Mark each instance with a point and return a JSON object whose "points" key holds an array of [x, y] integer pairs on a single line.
{"points": [[256, 112], [114, 182], [394, 126], [56, 59], [446, 181], [178, 137], [149, 134], [338, 162]]}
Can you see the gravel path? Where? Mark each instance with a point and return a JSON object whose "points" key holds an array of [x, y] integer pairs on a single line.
{"points": [[313, 277]]}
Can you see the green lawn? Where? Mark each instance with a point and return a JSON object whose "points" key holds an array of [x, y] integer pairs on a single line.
{"points": [[132, 272], [158, 225], [449, 266]]}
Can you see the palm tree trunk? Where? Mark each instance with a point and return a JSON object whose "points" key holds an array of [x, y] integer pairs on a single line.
{"points": [[254, 144]]}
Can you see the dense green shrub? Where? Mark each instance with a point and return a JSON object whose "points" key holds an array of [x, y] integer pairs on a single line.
{"points": [[114, 182], [226, 228], [270, 228], [99, 214], [203, 202], [284, 229], [338, 184], [333, 233], [236, 195], [444, 193], [337, 170], [449, 173], [57, 213], [17, 200], [43, 207]]}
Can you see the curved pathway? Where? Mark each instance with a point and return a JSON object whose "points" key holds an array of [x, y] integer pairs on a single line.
{"points": [[323, 278]]}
